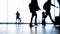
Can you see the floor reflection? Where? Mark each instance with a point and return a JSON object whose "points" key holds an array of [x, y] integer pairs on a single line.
{"points": [[33, 30], [25, 29], [43, 30]]}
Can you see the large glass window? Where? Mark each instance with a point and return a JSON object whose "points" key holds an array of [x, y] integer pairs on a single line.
{"points": [[8, 9], [3, 11]]}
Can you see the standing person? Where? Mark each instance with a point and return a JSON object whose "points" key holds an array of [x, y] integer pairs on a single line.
{"points": [[59, 6], [57, 18], [33, 6], [17, 17], [58, 1], [47, 7]]}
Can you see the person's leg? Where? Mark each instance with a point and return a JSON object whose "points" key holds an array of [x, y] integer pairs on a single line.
{"points": [[32, 18], [51, 18], [16, 20], [43, 20], [19, 20], [44, 17], [35, 19], [31, 21]]}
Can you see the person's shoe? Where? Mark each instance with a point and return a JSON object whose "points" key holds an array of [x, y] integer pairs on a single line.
{"points": [[54, 23], [44, 24], [35, 23], [31, 25]]}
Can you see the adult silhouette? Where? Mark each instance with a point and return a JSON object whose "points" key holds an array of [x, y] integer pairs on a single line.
{"points": [[59, 6], [33, 6], [17, 17], [57, 18], [58, 1], [47, 7]]}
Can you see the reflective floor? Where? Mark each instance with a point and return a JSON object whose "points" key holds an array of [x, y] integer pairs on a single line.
{"points": [[25, 29]]}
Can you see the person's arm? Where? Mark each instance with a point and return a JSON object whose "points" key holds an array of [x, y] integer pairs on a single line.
{"points": [[54, 5]]}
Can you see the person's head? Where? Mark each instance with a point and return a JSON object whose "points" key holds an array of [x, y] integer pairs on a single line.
{"points": [[49, 0], [17, 12], [58, 1]]}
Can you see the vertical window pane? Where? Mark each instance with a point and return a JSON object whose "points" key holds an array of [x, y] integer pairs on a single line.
{"points": [[23, 7], [3, 11]]}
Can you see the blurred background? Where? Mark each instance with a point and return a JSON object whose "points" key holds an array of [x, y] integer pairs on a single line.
{"points": [[8, 9]]}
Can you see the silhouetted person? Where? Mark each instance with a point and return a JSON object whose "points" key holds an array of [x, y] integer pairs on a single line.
{"points": [[33, 6], [57, 18], [58, 1], [43, 18], [17, 17], [47, 7], [59, 6], [31, 30]]}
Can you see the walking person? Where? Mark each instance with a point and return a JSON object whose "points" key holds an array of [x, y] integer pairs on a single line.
{"points": [[18, 17], [47, 7], [33, 6]]}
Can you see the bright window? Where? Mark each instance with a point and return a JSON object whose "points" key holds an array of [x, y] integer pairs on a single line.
{"points": [[8, 9]]}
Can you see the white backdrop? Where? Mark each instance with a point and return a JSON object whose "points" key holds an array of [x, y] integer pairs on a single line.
{"points": [[9, 8]]}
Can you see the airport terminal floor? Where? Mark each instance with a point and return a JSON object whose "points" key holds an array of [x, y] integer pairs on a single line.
{"points": [[26, 29]]}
